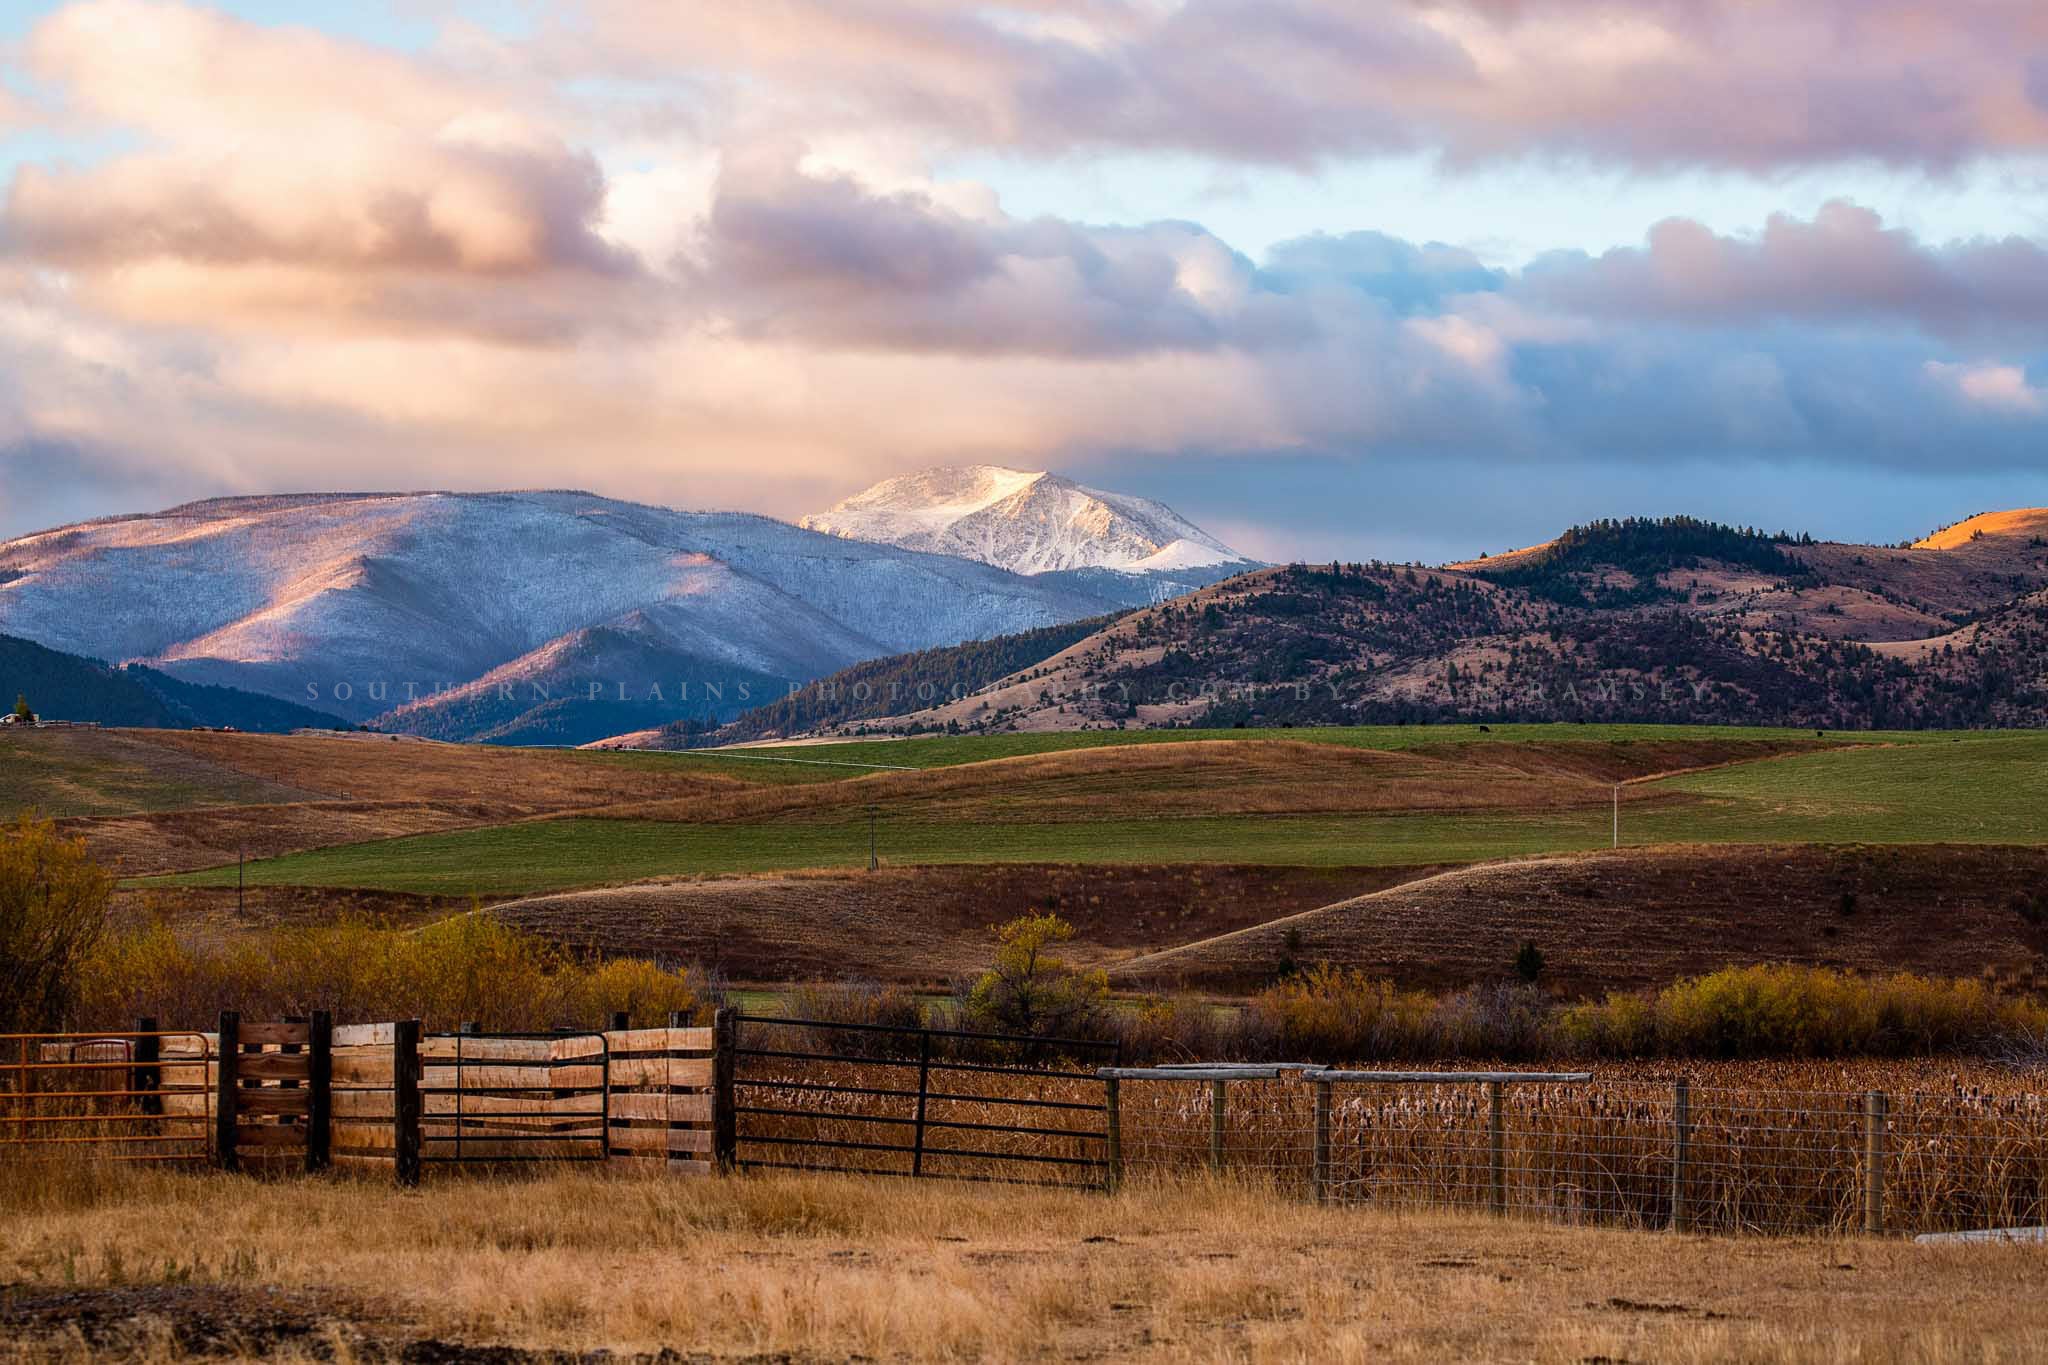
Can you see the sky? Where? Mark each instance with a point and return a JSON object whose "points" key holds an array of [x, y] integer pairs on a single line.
{"points": [[1336, 278]]}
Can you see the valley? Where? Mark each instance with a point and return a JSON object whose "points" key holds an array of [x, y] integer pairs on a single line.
{"points": [[1196, 860]]}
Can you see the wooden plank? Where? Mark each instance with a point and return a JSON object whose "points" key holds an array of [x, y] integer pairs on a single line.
{"points": [[694, 1140], [182, 1045], [660, 1107], [272, 1035], [269, 1135], [540, 1104], [275, 1066], [668, 1071], [442, 1077], [659, 1040], [649, 1107], [575, 1046], [364, 1104], [364, 1035], [362, 1069], [484, 1049], [272, 1101], [359, 1138]]}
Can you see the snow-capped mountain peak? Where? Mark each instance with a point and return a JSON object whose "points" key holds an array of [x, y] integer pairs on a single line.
{"points": [[1025, 521]]}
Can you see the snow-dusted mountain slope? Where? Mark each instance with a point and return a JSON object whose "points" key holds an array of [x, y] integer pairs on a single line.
{"points": [[359, 602], [1029, 523]]}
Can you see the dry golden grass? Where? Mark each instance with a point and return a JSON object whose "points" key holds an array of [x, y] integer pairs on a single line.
{"points": [[814, 1268]]}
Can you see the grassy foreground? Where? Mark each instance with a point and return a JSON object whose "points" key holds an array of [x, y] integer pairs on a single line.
{"points": [[1976, 788], [118, 1265]]}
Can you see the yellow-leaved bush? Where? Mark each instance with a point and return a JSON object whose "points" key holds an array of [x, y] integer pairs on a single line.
{"points": [[468, 968]]}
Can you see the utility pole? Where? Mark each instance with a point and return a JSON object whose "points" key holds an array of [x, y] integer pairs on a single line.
{"points": [[872, 861]]}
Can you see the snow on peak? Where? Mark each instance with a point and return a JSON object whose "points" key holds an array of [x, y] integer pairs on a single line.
{"points": [[1025, 521]]}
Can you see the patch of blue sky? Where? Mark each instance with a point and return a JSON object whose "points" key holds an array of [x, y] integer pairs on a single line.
{"points": [[1505, 214]]}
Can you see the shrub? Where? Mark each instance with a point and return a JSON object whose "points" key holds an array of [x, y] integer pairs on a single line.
{"points": [[53, 914], [468, 968], [1030, 990]]}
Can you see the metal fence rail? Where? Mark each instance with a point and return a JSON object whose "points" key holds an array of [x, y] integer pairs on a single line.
{"points": [[514, 1097], [142, 1095], [831, 1089]]}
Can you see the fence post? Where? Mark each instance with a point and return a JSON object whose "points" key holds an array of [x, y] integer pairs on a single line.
{"points": [[621, 1021], [1320, 1170], [924, 1089], [1681, 1153], [1218, 1100], [1875, 1106], [405, 1099], [725, 1123], [320, 1090], [1496, 1142], [145, 1077], [1113, 1131], [224, 1105]]}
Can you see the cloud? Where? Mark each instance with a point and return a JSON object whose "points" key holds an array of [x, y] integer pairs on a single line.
{"points": [[280, 170], [1842, 266], [1723, 83], [2002, 388], [309, 263]]}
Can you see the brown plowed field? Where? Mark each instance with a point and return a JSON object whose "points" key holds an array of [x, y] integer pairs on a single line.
{"points": [[1639, 917]]}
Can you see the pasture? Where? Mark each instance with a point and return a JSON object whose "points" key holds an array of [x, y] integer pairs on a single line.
{"points": [[1400, 809]]}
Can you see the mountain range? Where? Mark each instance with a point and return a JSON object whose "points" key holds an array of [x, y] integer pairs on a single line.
{"points": [[1027, 522], [537, 617], [1673, 620]]}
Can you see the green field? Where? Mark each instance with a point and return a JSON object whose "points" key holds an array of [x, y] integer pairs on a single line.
{"points": [[1978, 788], [824, 761]]}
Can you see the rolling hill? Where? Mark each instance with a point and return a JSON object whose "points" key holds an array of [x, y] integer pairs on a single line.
{"points": [[66, 687], [1670, 621]]}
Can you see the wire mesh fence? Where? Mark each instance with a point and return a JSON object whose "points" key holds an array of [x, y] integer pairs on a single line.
{"points": [[1629, 1154]]}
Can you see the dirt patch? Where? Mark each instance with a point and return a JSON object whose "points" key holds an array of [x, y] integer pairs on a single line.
{"points": [[927, 924], [215, 1322], [1642, 917]]}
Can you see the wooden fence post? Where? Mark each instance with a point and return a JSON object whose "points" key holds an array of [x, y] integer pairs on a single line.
{"points": [[1113, 1132], [1219, 1100], [621, 1021], [924, 1090], [145, 1077], [405, 1099], [1496, 1135], [1320, 1172], [1681, 1153], [224, 1102], [724, 1122], [1875, 1106], [320, 1091]]}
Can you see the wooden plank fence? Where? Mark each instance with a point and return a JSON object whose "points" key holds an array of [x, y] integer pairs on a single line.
{"points": [[308, 1094]]}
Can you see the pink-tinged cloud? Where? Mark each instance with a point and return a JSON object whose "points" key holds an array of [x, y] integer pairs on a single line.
{"points": [[1658, 83], [1843, 266], [283, 170]]}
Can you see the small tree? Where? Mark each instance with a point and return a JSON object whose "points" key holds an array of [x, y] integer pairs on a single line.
{"points": [[1029, 989], [1529, 962], [53, 912], [21, 711]]}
